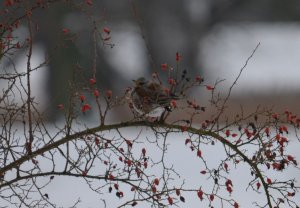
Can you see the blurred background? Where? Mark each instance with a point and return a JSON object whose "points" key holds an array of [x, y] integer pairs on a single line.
{"points": [[214, 37]]}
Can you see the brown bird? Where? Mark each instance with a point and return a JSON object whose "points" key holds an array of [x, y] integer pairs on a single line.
{"points": [[150, 98]]}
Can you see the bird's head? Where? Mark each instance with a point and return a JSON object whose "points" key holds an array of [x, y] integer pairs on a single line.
{"points": [[140, 81]]}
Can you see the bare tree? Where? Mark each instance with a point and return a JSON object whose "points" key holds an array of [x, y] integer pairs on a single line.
{"points": [[35, 152]]}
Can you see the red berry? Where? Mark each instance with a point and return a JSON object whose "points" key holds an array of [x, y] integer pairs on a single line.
{"points": [[164, 66], [258, 185], [92, 81], [200, 194], [199, 153], [106, 30], [209, 87], [170, 200], [156, 181], [85, 107], [203, 172]]}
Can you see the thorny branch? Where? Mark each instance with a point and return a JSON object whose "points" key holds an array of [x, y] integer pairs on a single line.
{"points": [[108, 160]]}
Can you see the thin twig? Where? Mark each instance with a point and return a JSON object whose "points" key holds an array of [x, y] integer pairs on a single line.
{"points": [[235, 81], [142, 28]]}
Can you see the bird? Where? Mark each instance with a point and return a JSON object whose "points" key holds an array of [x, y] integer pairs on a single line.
{"points": [[150, 98]]}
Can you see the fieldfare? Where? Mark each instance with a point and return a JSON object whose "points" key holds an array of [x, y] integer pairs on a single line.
{"points": [[150, 98]]}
